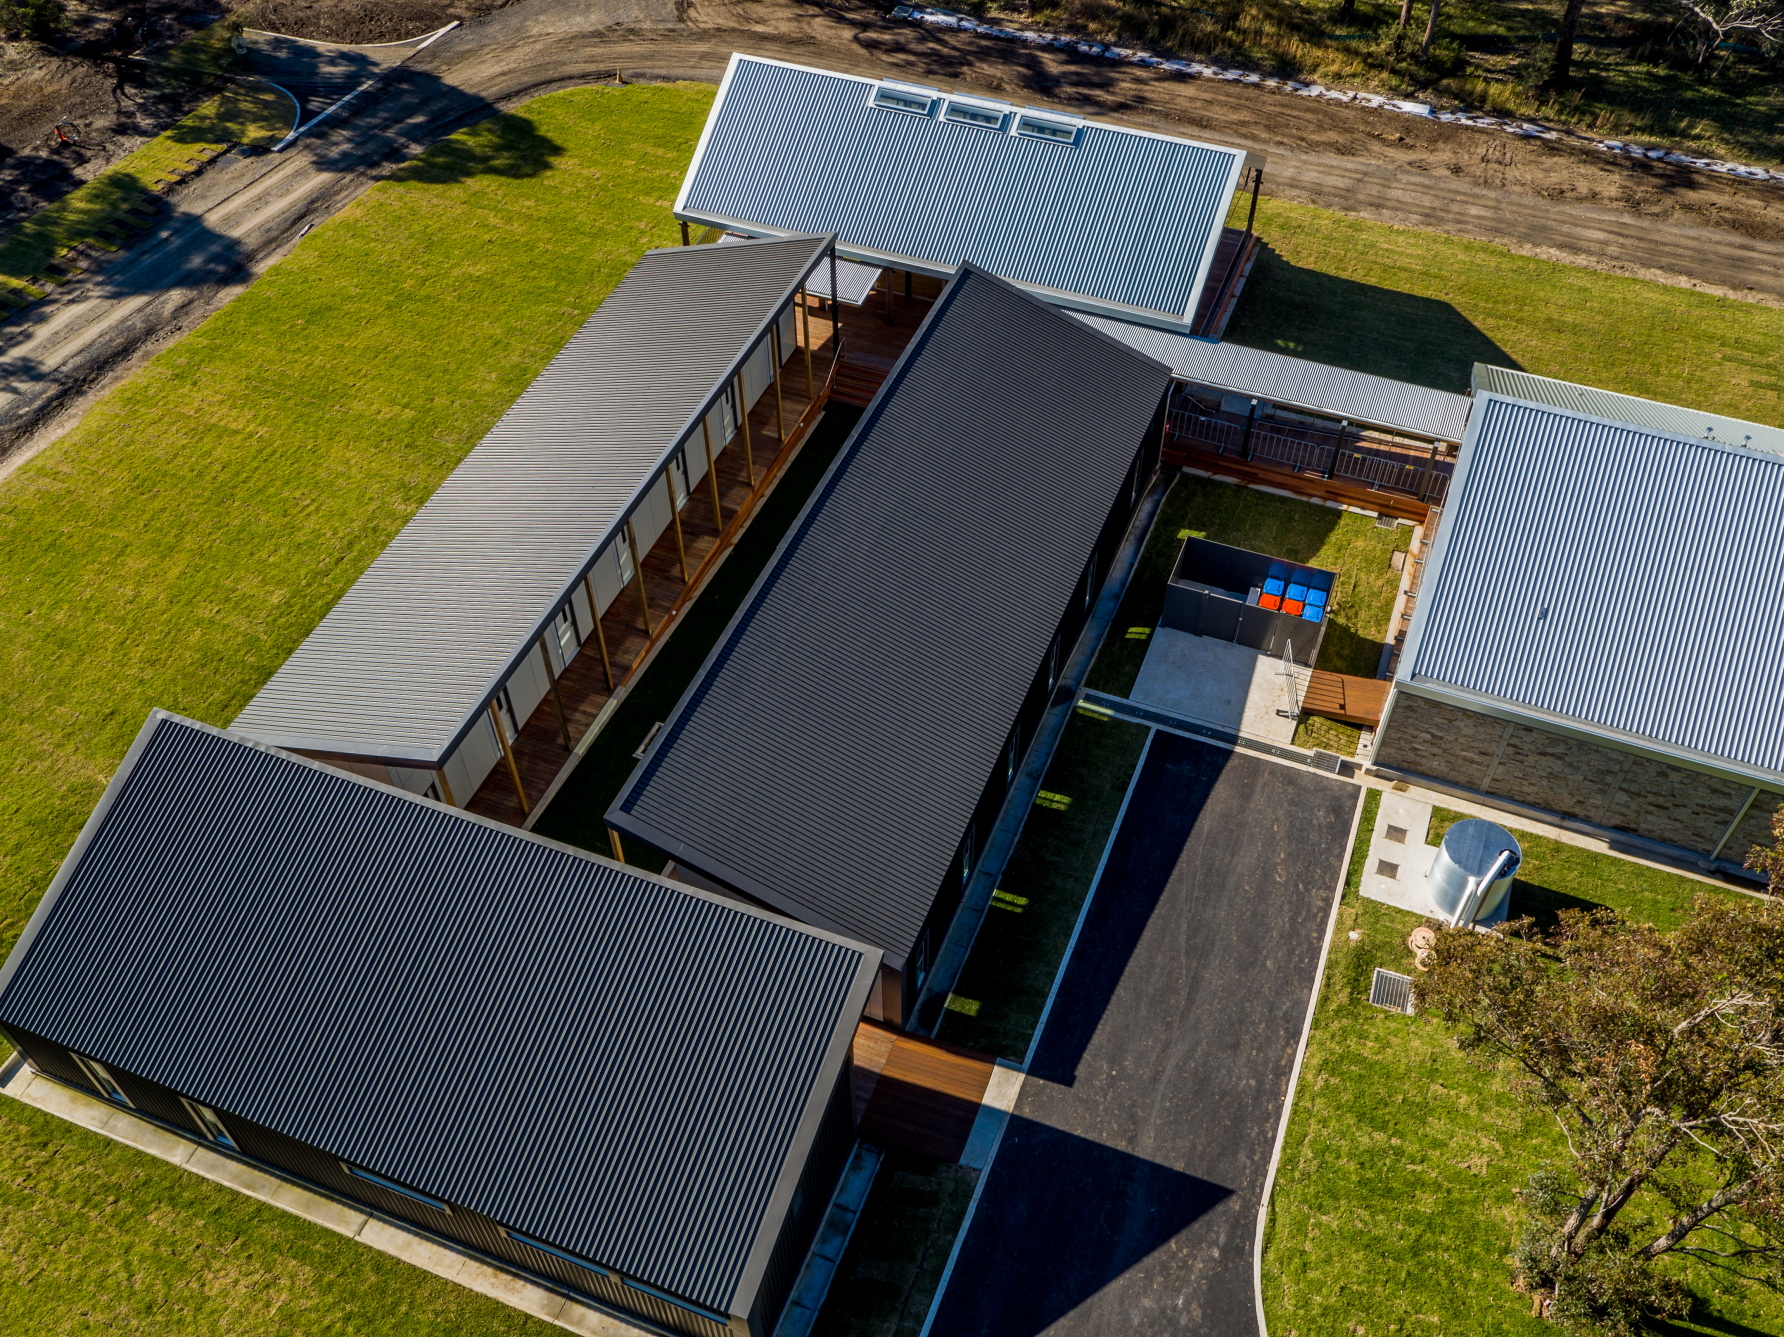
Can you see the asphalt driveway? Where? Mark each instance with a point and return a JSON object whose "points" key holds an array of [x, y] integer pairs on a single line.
{"points": [[1124, 1197]]}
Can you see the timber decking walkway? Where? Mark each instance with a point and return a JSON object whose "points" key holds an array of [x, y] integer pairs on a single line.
{"points": [[917, 1093], [674, 576]]}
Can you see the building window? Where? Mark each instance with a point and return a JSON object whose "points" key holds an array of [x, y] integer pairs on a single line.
{"points": [[622, 553], [1052, 666], [677, 474], [206, 1118], [557, 1253], [966, 855], [100, 1079], [390, 1185], [891, 97], [568, 634], [432, 791], [1045, 127], [974, 114], [1014, 755], [505, 709]]}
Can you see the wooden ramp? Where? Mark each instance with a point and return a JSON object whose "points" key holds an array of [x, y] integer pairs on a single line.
{"points": [[1338, 696], [924, 1095]]}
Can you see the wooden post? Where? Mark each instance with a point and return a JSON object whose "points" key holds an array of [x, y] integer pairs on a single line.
{"points": [[805, 315], [594, 611], [445, 787], [1250, 422], [619, 853], [1430, 470], [638, 573], [835, 315], [495, 718], [681, 548], [1337, 450], [743, 420], [712, 475], [684, 234], [780, 408], [556, 700]]}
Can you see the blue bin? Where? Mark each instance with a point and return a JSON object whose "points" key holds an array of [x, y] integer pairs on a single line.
{"points": [[1298, 593], [1316, 598], [1273, 586], [1313, 613]]}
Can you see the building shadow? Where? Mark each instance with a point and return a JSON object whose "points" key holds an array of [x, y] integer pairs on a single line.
{"points": [[1307, 313], [1059, 1219]]}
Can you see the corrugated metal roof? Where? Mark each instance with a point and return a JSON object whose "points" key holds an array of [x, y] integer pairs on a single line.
{"points": [[402, 666], [829, 755], [1600, 573], [1122, 218], [1637, 412], [582, 1052], [853, 282], [1297, 383]]}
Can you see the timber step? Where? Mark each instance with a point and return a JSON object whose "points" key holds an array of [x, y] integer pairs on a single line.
{"points": [[857, 382]]}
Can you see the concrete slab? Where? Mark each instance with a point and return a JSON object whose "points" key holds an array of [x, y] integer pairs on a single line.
{"points": [[65, 1102], [1398, 843], [1219, 683], [509, 1289], [145, 1136], [994, 1113], [583, 1318], [324, 1211], [412, 1248], [241, 1178]]}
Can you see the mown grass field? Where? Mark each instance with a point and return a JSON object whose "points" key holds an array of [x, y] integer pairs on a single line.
{"points": [[1393, 1210], [175, 547], [1423, 308]]}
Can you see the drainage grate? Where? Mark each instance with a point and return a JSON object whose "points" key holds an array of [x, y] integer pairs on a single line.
{"points": [[1385, 869], [1397, 834], [1326, 761], [1394, 992]]}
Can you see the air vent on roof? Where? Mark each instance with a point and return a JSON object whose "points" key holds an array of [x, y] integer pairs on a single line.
{"points": [[1045, 127], [976, 114], [897, 97]]}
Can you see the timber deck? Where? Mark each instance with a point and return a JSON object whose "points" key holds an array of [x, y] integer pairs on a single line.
{"points": [[919, 1094], [674, 576], [1347, 699]]}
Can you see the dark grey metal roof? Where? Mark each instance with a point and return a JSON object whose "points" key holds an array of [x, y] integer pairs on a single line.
{"points": [[1613, 578], [829, 755], [402, 666], [1297, 383], [626, 1068], [1637, 412], [1091, 214]]}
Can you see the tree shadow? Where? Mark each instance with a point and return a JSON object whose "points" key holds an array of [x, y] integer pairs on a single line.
{"points": [[509, 146], [1702, 1320], [1323, 317], [1062, 1217], [1545, 904]]}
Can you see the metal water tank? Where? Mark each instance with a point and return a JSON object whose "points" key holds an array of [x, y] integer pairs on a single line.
{"points": [[1472, 852]]}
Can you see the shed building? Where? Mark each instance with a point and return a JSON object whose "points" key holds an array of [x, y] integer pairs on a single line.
{"points": [[845, 749], [428, 667], [1089, 215], [1596, 633], [632, 1090]]}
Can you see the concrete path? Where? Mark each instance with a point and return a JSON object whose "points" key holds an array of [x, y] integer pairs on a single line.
{"points": [[1124, 1197]]}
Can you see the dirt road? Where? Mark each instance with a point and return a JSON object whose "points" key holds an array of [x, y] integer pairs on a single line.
{"points": [[1534, 196]]}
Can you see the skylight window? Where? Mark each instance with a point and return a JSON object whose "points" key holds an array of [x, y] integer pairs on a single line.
{"points": [[975, 114], [893, 97], [1031, 126]]}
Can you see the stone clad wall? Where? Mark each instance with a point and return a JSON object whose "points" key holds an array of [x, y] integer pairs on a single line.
{"points": [[1570, 776]]}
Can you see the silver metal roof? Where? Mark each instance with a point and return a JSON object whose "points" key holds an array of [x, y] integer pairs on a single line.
{"points": [[1620, 579], [853, 282], [585, 1053], [401, 667], [1105, 217], [1637, 412], [1297, 383]]}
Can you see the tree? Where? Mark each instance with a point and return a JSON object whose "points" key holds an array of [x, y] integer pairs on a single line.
{"points": [[1430, 31], [1769, 859], [39, 19], [1719, 21], [1661, 1056], [1560, 72]]}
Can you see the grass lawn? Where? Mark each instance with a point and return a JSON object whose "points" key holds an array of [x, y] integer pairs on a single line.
{"points": [[1393, 1210], [886, 1280], [1421, 307], [577, 815], [1352, 545], [176, 546], [240, 114]]}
